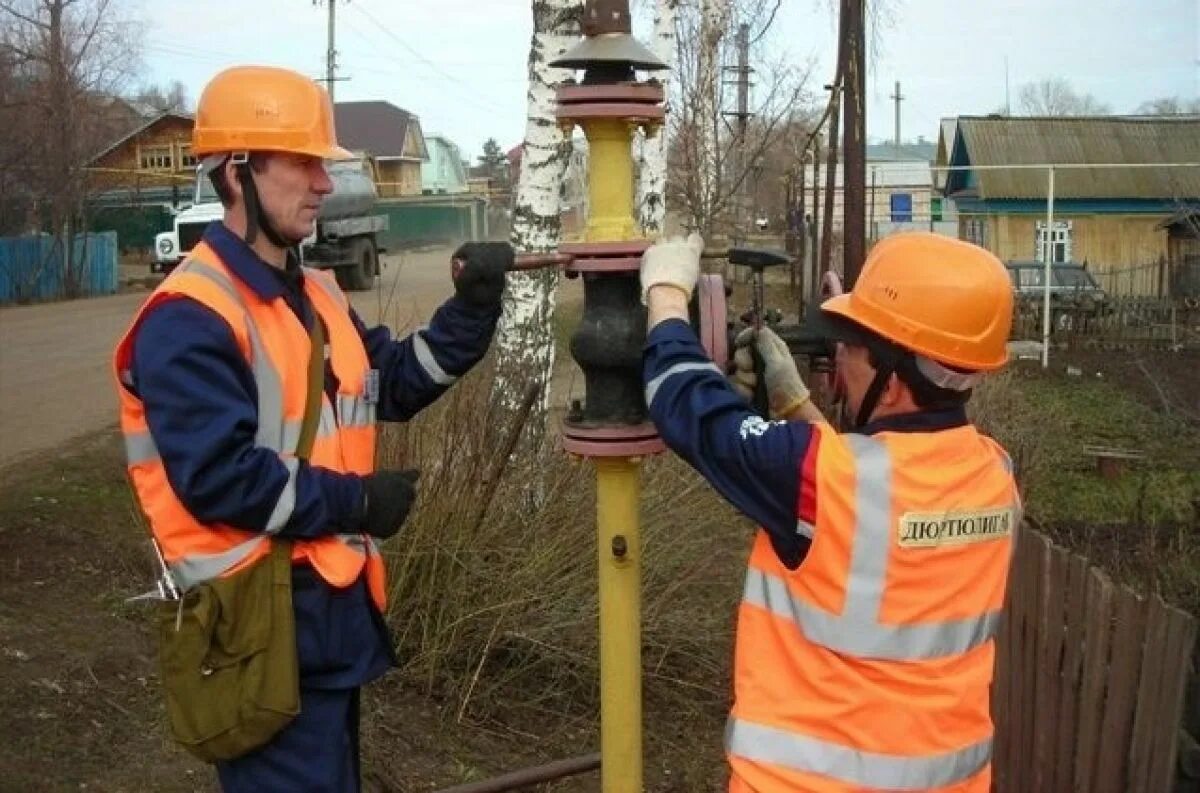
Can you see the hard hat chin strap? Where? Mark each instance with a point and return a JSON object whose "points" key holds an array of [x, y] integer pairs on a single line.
{"points": [[256, 217], [870, 400], [911, 368]]}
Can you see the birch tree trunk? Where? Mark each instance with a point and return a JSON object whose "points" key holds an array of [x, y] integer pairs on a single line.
{"points": [[525, 338], [652, 174], [714, 19]]}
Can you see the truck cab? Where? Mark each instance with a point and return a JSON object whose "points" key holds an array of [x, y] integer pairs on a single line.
{"points": [[345, 237], [171, 246]]}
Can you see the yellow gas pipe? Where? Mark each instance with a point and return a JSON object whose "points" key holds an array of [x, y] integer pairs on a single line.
{"points": [[618, 490]]}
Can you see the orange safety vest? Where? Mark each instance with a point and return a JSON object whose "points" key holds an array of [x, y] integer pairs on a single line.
{"points": [[867, 668], [276, 347]]}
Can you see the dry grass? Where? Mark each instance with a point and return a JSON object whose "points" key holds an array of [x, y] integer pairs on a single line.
{"points": [[494, 589]]}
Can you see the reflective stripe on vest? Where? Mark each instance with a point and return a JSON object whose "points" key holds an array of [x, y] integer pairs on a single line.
{"points": [[858, 641], [870, 769], [356, 410], [273, 432], [857, 630]]}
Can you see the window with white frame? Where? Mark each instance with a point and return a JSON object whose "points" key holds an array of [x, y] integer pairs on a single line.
{"points": [[1060, 242], [187, 162], [156, 158], [975, 230]]}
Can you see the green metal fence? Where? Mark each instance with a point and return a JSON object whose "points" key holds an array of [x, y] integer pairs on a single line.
{"points": [[412, 224], [135, 225]]}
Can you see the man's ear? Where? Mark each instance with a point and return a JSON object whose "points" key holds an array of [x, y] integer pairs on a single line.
{"points": [[231, 179], [894, 393]]}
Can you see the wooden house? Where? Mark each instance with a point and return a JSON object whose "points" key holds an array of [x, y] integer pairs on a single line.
{"points": [[1116, 218], [389, 135], [153, 163]]}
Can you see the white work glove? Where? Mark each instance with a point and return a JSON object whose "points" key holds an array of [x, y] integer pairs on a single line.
{"points": [[786, 391], [673, 261]]}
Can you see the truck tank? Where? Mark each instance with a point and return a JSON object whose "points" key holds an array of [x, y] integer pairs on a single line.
{"points": [[353, 193]]}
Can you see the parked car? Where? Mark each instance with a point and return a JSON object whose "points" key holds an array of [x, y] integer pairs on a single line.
{"points": [[1075, 296]]}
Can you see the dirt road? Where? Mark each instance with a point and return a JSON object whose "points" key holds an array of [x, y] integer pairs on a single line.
{"points": [[55, 383]]}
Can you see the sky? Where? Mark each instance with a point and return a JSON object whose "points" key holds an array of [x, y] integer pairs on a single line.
{"points": [[460, 65]]}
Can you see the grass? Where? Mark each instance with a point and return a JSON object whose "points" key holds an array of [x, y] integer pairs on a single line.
{"points": [[1144, 526]]}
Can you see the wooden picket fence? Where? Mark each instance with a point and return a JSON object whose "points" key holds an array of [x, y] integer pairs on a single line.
{"points": [[1090, 680], [1124, 323]]}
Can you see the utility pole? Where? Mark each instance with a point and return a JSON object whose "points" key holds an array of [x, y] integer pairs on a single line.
{"points": [[1007, 103], [816, 228], [802, 228], [899, 98], [742, 115], [855, 141], [831, 179], [330, 50]]}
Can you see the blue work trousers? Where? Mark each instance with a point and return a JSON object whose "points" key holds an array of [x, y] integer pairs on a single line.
{"points": [[316, 753]]}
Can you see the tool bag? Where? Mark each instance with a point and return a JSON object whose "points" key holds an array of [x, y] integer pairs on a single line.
{"points": [[227, 649], [227, 656]]}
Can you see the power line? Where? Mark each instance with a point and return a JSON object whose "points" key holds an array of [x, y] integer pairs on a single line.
{"points": [[422, 59], [405, 69], [199, 55]]}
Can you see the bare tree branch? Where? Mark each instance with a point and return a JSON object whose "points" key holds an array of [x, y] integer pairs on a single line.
{"points": [[62, 64], [8, 7], [1057, 97], [767, 26], [707, 166]]}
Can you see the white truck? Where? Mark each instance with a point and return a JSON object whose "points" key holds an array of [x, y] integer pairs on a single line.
{"points": [[347, 232]]}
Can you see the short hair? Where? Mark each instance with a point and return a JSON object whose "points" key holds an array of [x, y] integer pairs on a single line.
{"points": [[220, 184]]}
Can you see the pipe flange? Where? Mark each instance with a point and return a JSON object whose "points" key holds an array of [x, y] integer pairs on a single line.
{"points": [[635, 440], [649, 93], [638, 103], [603, 264], [626, 111]]}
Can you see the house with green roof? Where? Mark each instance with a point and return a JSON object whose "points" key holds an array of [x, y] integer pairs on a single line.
{"points": [[1124, 189]]}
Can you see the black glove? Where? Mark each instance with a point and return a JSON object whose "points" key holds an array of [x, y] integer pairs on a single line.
{"points": [[478, 270], [387, 498]]}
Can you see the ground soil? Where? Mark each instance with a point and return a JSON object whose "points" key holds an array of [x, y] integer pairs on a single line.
{"points": [[1168, 382], [79, 694]]}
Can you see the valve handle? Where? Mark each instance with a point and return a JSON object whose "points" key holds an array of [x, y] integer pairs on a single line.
{"points": [[524, 262], [760, 401], [757, 258]]}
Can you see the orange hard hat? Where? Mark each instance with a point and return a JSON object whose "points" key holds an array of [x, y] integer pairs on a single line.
{"points": [[939, 297], [262, 108]]}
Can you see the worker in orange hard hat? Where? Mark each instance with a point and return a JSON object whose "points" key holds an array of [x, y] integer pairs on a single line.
{"points": [[272, 113], [865, 637], [249, 394]]}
